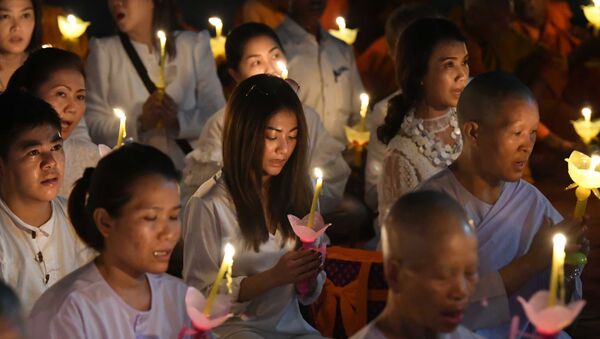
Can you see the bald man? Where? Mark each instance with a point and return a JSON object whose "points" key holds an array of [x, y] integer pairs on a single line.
{"points": [[430, 263], [499, 116]]}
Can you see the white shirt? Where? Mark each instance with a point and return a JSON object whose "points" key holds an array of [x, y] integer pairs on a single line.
{"points": [[375, 150], [112, 82], [372, 332], [61, 250], [79, 155], [327, 73], [210, 221], [83, 305], [324, 152]]}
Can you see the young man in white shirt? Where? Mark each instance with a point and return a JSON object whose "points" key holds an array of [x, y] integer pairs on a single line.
{"points": [[38, 245]]}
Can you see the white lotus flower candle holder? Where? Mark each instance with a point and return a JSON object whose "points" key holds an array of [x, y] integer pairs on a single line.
{"points": [[344, 33]]}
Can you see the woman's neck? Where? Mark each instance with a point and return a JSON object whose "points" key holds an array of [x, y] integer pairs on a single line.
{"points": [[393, 324], [425, 111], [132, 286], [143, 34], [485, 187], [9, 63]]}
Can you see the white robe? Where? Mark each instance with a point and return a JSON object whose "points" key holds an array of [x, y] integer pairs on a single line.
{"points": [[112, 82], [83, 305], [62, 252], [327, 73], [210, 221], [324, 152], [505, 231]]}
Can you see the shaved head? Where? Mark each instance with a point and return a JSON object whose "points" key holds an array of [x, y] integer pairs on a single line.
{"points": [[484, 96], [419, 221]]}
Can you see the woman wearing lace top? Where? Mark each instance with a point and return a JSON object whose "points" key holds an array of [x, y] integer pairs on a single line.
{"points": [[421, 130]]}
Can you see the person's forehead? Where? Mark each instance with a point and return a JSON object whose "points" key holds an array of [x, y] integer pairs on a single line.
{"points": [[42, 134]]}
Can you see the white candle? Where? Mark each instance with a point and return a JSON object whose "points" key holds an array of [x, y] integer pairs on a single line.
{"points": [[364, 107], [162, 38], [122, 131], [313, 205], [218, 24], [558, 262], [226, 265]]}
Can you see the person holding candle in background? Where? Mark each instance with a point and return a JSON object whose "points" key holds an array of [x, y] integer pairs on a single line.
{"points": [[58, 77], [421, 129], [38, 245], [254, 48], [131, 217], [264, 178], [498, 117], [168, 119], [324, 67]]}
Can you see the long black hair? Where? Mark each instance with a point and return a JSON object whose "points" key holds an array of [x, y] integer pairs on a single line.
{"points": [[109, 186], [413, 51]]}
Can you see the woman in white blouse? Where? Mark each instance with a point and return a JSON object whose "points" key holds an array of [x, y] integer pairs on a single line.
{"points": [[264, 178], [167, 119], [421, 129]]}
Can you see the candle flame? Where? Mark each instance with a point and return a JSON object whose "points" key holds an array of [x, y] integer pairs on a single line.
{"points": [[318, 173], [341, 22], [559, 241], [71, 27], [119, 113], [47, 46], [283, 68], [215, 21], [594, 162], [364, 104], [596, 3], [162, 37], [72, 19], [229, 252], [587, 112]]}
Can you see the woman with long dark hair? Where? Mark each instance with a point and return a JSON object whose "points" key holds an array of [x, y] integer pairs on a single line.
{"points": [[124, 71], [264, 178], [421, 128]]}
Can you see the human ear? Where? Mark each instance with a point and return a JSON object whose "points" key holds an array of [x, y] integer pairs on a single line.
{"points": [[471, 131], [392, 268], [103, 221]]}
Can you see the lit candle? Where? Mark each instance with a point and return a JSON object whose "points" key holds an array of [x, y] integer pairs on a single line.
{"points": [[364, 107], [71, 27], [586, 128], [313, 205], [583, 193], [592, 14], [162, 38], [217, 44], [343, 33], [557, 272], [283, 68], [225, 268], [122, 132]]}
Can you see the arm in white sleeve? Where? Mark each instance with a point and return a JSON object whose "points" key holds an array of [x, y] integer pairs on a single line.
{"points": [[203, 249], [488, 306], [326, 153], [102, 123], [209, 92]]}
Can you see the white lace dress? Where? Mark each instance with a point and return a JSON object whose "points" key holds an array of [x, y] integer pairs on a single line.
{"points": [[415, 154]]}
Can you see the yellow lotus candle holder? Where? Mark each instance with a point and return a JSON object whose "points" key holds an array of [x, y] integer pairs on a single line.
{"points": [[71, 27], [592, 14], [347, 35], [585, 127]]}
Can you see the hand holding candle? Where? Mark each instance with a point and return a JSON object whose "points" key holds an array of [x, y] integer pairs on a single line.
{"points": [[122, 131], [225, 268], [313, 205]]}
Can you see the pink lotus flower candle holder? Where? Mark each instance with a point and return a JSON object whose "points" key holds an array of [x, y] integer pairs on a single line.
{"points": [[201, 323], [308, 236], [549, 320]]}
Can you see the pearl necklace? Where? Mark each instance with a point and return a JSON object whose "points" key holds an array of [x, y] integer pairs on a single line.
{"points": [[424, 133]]}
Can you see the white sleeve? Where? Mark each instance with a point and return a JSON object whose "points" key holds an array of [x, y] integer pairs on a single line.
{"points": [[102, 124], [203, 250], [326, 153], [488, 306], [398, 177], [55, 325], [209, 92]]}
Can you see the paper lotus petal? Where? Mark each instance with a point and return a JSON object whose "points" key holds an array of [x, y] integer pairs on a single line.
{"points": [[587, 130], [550, 320], [194, 303], [580, 173], [305, 233], [348, 35], [355, 136]]}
